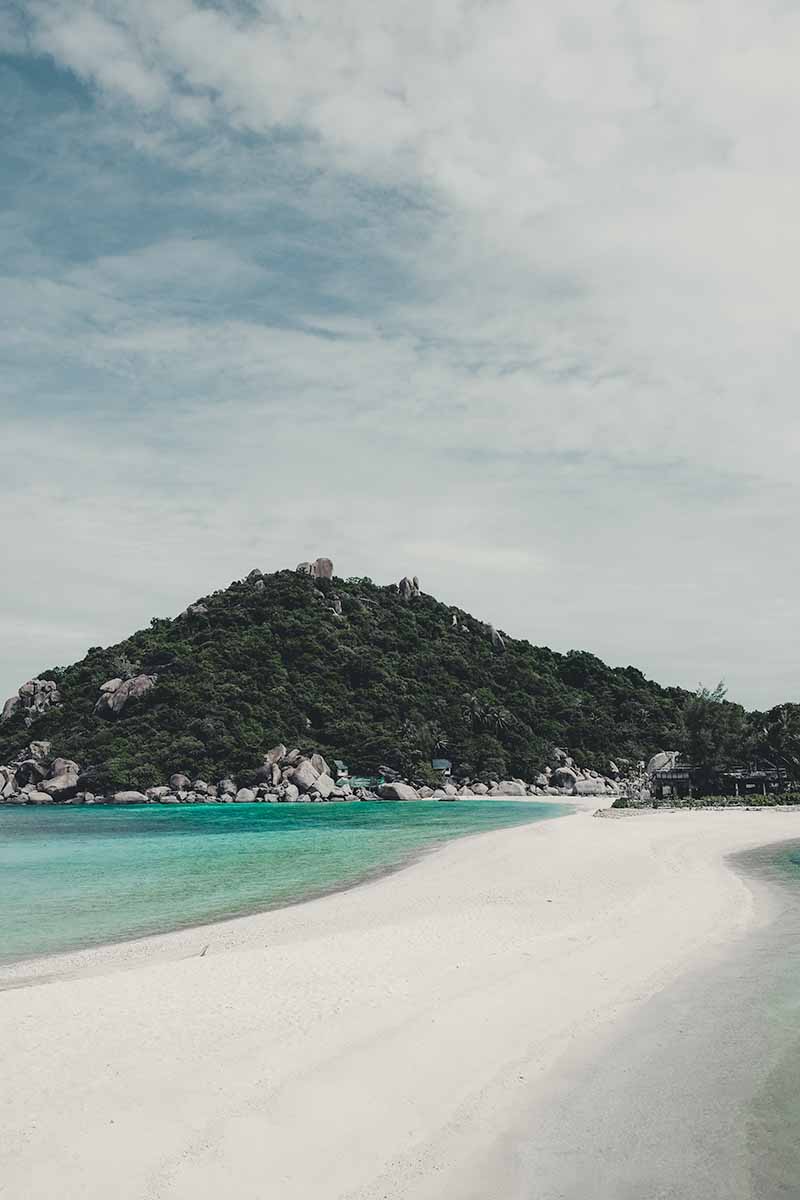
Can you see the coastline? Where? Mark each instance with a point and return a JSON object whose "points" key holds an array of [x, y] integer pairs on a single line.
{"points": [[379, 1041], [47, 967]]}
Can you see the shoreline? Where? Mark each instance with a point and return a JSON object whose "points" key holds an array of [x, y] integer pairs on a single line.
{"points": [[399, 1028], [48, 967]]}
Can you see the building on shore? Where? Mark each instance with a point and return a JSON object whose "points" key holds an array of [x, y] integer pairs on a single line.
{"points": [[682, 781]]}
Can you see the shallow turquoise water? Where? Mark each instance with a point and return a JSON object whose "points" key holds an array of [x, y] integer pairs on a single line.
{"points": [[73, 877]]}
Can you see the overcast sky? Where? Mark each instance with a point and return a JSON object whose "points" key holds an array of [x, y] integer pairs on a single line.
{"points": [[499, 293]]}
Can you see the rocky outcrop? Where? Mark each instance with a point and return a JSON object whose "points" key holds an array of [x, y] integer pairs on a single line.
{"points": [[8, 783], [665, 760], [128, 798], [590, 787], [397, 791], [63, 783], [497, 640], [114, 701], [194, 610], [409, 588], [320, 568], [304, 775], [324, 786], [34, 699], [509, 787], [286, 777], [319, 764]]}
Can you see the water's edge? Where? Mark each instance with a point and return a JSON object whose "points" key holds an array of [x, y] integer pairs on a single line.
{"points": [[16, 972], [697, 1095]]}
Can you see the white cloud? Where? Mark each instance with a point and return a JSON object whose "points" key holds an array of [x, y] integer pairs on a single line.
{"points": [[582, 363]]}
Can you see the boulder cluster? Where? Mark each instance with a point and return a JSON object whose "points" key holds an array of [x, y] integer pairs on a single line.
{"points": [[35, 777], [285, 777], [116, 694], [34, 698]]}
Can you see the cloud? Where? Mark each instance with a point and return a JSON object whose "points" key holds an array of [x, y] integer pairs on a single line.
{"points": [[504, 289]]}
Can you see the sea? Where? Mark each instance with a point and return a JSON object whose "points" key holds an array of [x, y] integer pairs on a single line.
{"points": [[75, 877], [697, 1096]]}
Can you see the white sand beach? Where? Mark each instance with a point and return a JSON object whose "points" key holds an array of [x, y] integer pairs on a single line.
{"points": [[374, 1043]]}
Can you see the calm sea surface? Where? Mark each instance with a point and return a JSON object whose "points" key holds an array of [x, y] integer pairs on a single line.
{"points": [[74, 877]]}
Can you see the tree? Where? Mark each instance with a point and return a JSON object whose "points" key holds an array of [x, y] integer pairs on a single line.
{"points": [[717, 733], [779, 738]]}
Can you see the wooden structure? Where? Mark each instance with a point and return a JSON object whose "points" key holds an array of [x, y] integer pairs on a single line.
{"points": [[682, 781]]}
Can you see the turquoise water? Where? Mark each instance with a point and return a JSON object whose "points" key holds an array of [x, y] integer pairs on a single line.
{"points": [[75, 877]]}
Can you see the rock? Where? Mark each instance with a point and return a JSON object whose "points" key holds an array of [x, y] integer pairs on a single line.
{"points": [[590, 787], [255, 575], [128, 798], [31, 771], [276, 774], [39, 751], [34, 698], [450, 789], [63, 787], [15, 798], [62, 766], [291, 794], [665, 760], [497, 640], [259, 586], [397, 791], [292, 758], [179, 783], [445, 797], [112, 704], [8, 783], [245, 796], [325, 785], [564, 778], [111, 685], [613, 769], [37, 797], [425, 793], [194, 610], [226, 786], [480, 789], [509, 787], [157, 793], [542, 780], [319, 764], [304, 775], [275, 755], [262, 774], [320, 568], [408, 588], [200, 786], [170, 798]]}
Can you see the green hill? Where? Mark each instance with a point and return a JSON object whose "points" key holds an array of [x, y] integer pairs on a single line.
{"points": [[359, 672]]}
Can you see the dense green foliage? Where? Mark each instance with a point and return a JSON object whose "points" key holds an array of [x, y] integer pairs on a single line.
{"points": [[390, 681], [754, 800]]}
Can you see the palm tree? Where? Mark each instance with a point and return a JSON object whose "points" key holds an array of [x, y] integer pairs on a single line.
{"points": [[473, 712]]}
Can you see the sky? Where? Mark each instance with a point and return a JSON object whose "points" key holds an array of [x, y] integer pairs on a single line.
{"points": [[501, 294]]}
